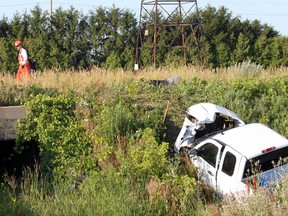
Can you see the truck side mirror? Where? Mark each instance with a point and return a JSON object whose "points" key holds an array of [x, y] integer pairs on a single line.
{"points": [[193, 152]]}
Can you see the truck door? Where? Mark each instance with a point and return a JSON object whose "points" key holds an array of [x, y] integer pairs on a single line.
{"points": [[207, 160], [228, 178]]}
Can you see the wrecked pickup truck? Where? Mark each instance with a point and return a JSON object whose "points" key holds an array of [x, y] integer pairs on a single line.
{"points": [[233, 159], [202, 120]]}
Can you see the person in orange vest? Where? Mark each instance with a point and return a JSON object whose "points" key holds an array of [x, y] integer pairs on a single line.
{"points": [[24, 70]]}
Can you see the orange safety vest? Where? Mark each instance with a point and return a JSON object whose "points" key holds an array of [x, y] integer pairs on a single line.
{"points": [[24, 70]]}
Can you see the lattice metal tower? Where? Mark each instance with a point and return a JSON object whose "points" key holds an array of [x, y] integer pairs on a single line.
{"points": [[159, 15]]}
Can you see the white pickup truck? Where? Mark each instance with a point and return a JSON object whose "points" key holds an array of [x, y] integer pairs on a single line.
{"points": [[235, 160]]}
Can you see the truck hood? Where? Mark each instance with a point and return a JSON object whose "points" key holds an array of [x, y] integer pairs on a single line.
{"points": [[202, 119], [206, 113]]}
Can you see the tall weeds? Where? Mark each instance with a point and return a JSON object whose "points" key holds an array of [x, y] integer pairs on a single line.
{"points": [[126, 125]]}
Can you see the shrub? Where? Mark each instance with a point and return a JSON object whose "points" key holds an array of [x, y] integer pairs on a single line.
{"points": [[63, 143], [145, 157]]}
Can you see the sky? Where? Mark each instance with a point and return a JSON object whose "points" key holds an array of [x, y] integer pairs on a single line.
{"points": [[274, 13]]}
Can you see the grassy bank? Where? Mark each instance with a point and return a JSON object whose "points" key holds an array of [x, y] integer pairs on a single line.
{"points": [[104, 135]]}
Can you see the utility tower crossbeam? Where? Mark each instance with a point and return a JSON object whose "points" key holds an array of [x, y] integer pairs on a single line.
{"points": [[157, 16]]}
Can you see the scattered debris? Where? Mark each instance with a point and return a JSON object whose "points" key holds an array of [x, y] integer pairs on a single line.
{"points": [[174, 80]]}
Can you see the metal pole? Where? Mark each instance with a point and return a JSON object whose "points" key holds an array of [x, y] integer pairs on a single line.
{"points": [[155, 33], [139, 40], [182, 32]]}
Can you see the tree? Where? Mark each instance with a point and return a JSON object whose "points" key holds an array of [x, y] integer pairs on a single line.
{"points": [[215, 28], [4, 28], [262, 50], [7, 56], [279, 51], [242, 50], [37, 43], [69, 40], [113, 32], [106, 37]]}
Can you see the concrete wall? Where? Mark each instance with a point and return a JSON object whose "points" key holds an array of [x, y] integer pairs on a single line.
{"points": [[9, 115]]}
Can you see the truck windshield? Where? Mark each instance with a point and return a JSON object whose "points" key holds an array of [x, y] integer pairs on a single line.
{"points": [[266, 162]]}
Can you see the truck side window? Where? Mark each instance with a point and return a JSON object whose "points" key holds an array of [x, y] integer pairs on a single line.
{"points": [[209, 153], [229, 163]]}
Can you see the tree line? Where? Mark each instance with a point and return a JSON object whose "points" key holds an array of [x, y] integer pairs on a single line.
{"points": [[107, 38]]}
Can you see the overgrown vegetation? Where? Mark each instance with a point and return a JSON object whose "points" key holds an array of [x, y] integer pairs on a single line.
{"points": [[104, 142]]}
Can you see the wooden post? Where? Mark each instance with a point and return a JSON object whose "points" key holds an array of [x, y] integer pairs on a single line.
{"points": [[50, 13]]}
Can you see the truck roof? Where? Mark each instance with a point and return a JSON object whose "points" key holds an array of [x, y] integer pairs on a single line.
{"points": [[252, 140]]}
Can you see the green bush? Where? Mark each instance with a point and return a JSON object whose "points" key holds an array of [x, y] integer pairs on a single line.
{"points": [[145, 156], [63, 143]]}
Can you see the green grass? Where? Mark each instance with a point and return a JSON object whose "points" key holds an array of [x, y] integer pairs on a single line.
{"points": [[118, 183]]}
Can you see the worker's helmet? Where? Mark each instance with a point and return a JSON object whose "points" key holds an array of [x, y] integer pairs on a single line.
{"points": [[18, 43]]}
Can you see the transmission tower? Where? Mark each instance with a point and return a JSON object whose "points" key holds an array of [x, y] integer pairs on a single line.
{"points": [[174, 15]]}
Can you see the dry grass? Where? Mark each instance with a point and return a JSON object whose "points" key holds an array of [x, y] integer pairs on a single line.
{"points": [[8, 79], [79, 80]]}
